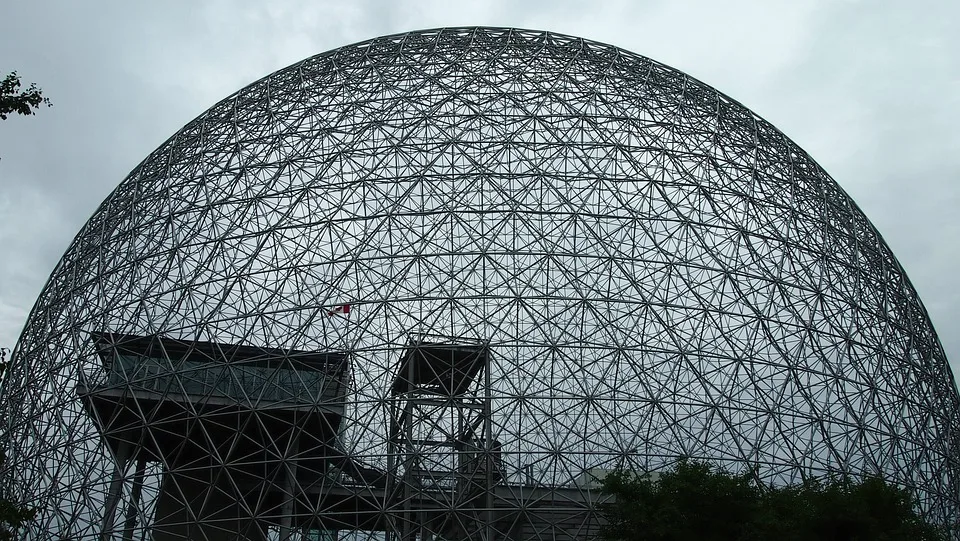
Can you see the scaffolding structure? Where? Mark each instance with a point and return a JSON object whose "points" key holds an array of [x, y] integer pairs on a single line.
{"points": [[441, 447]]}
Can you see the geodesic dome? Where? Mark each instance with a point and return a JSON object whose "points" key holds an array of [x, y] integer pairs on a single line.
{"points": [[438, 283]]}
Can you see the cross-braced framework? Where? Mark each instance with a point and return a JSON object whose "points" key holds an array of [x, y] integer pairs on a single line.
{"points": [[434, 285]]}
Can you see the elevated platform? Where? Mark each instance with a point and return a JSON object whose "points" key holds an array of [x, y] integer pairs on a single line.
{"points": [[442, 368], [179, 401]]}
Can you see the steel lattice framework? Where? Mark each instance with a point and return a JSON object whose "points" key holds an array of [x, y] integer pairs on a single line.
{"points": [[434, 284]]}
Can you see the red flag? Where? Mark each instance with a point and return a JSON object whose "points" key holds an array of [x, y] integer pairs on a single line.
{"points": [[342, 309]]}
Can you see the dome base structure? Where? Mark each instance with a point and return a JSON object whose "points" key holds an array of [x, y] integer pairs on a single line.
{"points": [[437, 284]]}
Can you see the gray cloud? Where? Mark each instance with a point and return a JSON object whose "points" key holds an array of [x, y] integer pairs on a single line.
{"points": [[872, 91]]}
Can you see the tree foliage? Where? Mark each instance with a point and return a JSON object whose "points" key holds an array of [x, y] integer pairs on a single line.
{"points": [[14, 100], [700, 501], [3, 363], [13, 516]]}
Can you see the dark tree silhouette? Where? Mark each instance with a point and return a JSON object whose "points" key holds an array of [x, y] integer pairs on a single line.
{"points": [[700, 501], [13, 516], [14, 100]]}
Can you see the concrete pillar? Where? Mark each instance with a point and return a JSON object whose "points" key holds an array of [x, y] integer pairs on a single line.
{"points": [[287, 508], [488, 458], [134, 504], [113, 493]]}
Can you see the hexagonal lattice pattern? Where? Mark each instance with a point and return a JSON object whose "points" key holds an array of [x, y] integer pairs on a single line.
{"points": [[434, 283]]}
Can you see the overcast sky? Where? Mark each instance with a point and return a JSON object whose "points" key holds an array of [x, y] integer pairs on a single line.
{"points": [[870, 89]]}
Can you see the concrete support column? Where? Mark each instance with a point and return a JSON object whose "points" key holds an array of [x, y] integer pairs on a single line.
{"points": [[393, 434], [489, 460], [287, 508], [113, 493], [410, 459], [134, 504]]}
